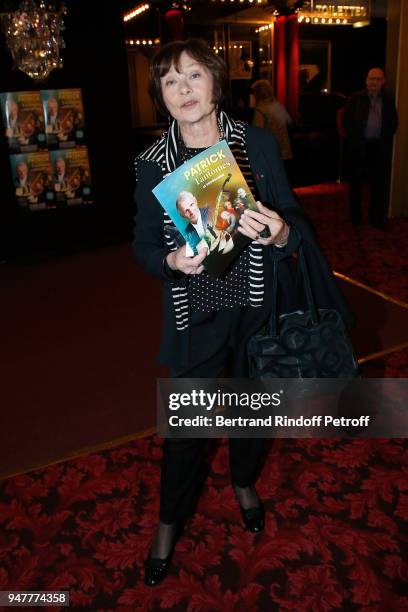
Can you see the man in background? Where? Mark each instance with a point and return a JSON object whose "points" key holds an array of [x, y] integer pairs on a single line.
{"points": [[370, 121]]}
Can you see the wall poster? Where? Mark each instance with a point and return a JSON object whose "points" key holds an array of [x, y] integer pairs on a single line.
{"points": [[45, 134]]}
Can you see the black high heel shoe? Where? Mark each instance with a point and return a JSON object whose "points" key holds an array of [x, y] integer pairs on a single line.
{"points": [[254, 518], [156, 568]]}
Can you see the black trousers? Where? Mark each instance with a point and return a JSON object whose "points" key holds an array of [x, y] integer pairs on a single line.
{"points": [[374, 171], [183, 459]]}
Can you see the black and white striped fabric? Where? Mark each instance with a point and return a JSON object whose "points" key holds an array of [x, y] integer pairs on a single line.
{"points": [[165, 153]]}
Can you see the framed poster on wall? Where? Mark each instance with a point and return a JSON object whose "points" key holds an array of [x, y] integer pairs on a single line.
{"points": [[31, 174], [71, 176], [64, 118], [23, 121], [240, 59], [315, 66]]}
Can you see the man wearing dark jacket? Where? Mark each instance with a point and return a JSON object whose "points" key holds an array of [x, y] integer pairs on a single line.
{"points": [[370, 121], [188, 208]]}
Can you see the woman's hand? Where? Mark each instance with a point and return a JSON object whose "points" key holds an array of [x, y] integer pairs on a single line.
{"points": [[252, 223], [202, 247], [177, 260]]}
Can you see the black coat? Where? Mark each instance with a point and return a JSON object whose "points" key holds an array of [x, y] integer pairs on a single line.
{"points": [[274, 191], [355, 121]]}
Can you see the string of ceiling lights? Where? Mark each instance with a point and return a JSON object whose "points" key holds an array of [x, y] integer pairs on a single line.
{"points": [[241, 1], [135, 12], [146, 42], [311, 13]]}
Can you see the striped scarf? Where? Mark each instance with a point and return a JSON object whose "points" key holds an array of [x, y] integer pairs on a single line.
{"points": [[164, 152]]}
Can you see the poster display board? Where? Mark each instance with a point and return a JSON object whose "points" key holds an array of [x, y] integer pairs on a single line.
{"points": [[45, 133]]}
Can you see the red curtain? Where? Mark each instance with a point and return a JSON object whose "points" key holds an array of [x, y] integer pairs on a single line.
{"points": [[292, 62], [280, 59], [175, 24]]}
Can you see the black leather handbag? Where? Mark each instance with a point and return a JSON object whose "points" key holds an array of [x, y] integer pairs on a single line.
{"points": [[302, 344]]}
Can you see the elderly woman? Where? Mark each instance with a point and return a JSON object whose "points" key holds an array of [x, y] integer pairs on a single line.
{"points": [[202, 338]]}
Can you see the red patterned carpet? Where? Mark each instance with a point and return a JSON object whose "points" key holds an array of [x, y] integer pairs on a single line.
{"points": [[333, 539], [335, 531], [375, 257], [372, 256]]}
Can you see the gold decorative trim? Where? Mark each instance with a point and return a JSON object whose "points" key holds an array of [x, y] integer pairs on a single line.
{"points": [[86, 450], [392, 349], [384, 296], [148, 432]]}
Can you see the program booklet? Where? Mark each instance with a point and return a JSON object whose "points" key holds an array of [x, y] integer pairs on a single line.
{"points": [[205, 198]]}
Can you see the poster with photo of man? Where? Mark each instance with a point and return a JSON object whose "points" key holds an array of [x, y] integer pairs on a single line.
{"points": [[64, 118], [23, 121], [32, 176], [71, 177]]}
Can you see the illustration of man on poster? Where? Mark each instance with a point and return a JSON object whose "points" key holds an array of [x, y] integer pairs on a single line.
{"points": [[71, 176], [202, 232], [21, 181], [63, 109], [33, 181], [198, 219], [60, 177], [227, 219], [53, 118], [242, 201], [20, 126], [13, 129], [23, 121]]}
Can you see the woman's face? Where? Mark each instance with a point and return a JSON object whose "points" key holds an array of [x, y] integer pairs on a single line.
{"points": [[188, 93]]}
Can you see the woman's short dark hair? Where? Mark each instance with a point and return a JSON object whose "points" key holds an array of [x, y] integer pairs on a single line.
{"points": [[170, 54]]}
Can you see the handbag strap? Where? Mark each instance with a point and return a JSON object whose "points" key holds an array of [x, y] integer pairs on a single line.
{"points": [[273, 321], [308, 287]]}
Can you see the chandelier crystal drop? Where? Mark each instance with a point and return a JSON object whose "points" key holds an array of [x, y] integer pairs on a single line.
{"points": [[33, 36]]}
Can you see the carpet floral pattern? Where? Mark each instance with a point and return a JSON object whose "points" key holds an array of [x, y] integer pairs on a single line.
{"points": [[335, 512], [375, 257]]}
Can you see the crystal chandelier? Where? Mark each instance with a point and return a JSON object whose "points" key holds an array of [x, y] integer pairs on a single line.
{"points": [[33, 35]]}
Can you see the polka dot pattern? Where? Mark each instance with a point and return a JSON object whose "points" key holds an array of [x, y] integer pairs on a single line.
{"points": [[207, 294]]}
